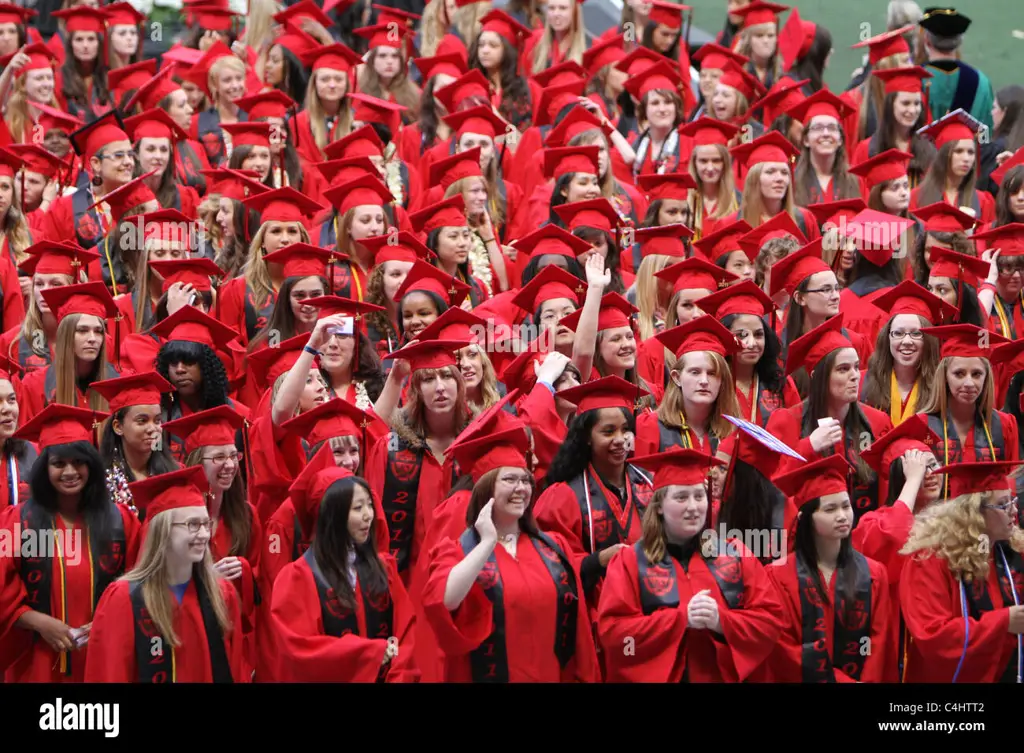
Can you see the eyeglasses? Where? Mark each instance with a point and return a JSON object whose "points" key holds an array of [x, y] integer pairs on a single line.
{"points": [[899, 334], [515, 481], [195, 524], [1009, 267], [828, 290], [824, 128], [1005, 507], [219, 460], [118, 156]]}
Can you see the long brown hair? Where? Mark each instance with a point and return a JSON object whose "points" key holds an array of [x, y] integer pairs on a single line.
{"points": [[64, 365], [939, 402], [933, 185], [877, 385], [816, 407], [234, 508], [752, 205], [671, 407], [404, 91], [483, 492]]}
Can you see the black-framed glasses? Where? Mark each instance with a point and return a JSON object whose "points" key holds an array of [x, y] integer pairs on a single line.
{"points": [[827, 290]]}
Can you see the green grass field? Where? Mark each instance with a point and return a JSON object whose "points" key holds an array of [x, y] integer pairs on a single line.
{"points": [[990, 43]]}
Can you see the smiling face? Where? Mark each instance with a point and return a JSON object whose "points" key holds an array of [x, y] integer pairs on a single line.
{"points": [[823, 135], [418, 312], [610, 439], [304, 290], [617, 348], [184, 545], [749, 330], [471, 364], [906, 341], [139, 428], [221, 463], [512, 492], [67, 476], [9, 410]]}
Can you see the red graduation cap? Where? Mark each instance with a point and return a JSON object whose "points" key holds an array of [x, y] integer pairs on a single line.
{"points": [[189, 324], [267, 364], [199, 73], [823, 103], [296, 39], [593, 213], [675, 186], [309, 487], [712, 56], [195, 272], [233, 184], [9, 369], [885, 45], [283, 205], [301, 260], [910, 298], [903, 79], [428, 278], [748, 448], [209, 428], [795, 39], [977, 478], [123, 14], [82, 18], [877, 234], [52, 119], [552, 282], [571, 159], [15, 14], [948, 263], [520, 372], [124, 198], [702, 334], [367, 190], [445, 172], [784, 94], [61, 424], [455, 324], [551, 239], [400, 246], [187, 487], [131, 76], [667, 14], [615, 312], [465, 87], [956, 126], [604, 52], [403, 17], [837, 213], [606, 392], [772, 147], [450, 212], [440, 65], [504, 449], [808, 350], [1009, 356], [40, 58], [810, 481], [165, 225], [566, 71], [1000, 172], [965, 340], [153, 91], [384, 35], [941, 217], [154, 124], [180, 55], [10, 163], [305, 9], [137, 389], [742, 298], [679, 466], [93, 136], [90, 298], [213, 18], [52, 258], [362, 142], [739, 79], [1009, 239], [726, 239], [911, 434], [759, 12], [787, 273], [335, 57], [430, 354], [662, 76], [480, 120], [505, 26], [335, 418], [36, 159], [331, 305], [706, 131], [249, 133], [696, 274], [555, 98], [638, 60], [664, 240], [338, 171], [889, 165], [269, 104], [781, 225]]}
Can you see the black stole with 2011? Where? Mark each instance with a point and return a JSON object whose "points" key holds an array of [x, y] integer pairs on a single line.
{"points": [[489, 661], [401, 491], [851, 628], [659, 583], [608, 528], [154, 656]]}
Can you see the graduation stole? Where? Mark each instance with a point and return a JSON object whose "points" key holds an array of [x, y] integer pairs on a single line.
{"points": [[28, 359], [863, 496], [898, 412], [340, 620], [988, 443], [401, 492], [605, 520], [19, 468], [87, 222], [489, 661], [666, 161], [188, 167], [659, 586], [979, 600], [851, 626], [1011, 323], [256, 319], [156, 662], [37, 572], [670, 436]]}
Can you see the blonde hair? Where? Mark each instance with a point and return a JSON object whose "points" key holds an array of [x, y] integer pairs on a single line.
{"points": [[64, 365], [744, 47], [955, 530], [151, 572], [577, 42], [401, 88], [229, 62], [494, 206], [939, 400], [34, 321], [256, 271], [752, 207], [467, 19], [488, 383], [317, 115], [17, 112], [653, 525], [15, 228], [648, 291], [434, 26], [671, 408]]}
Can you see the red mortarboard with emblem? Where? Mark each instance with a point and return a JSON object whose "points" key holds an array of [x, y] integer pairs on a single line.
{"points": [[195, 272], [889, 165], [425, 277], [336, 418], [956, 126], [61, 424], [781, 225], [1008, 239], [450, 212], [92, 137], [696, 274], [90, 298], [724, 240], [739, 79], [301, 260], [702, 334], [571, 159], [504, 449], [674, 186], [772, 147], [189, 324], [977, 478], [965, 340], [911, 434], [606, 392], [810, 481], [910, 80], [136, 389], [706, 131], [885, 45], [400, 246], [662, 240], [444, 172], [283, 205], [593, 213], [51, 258], [743, 298], [269, 104], [679, 466], [615, 312], [552, 282], [154, 124], [455, 324], [808, 350], [941, 217], [910, 298], [366, 191], [175, 490], [787, 273], [551, 239], [877, 234]]}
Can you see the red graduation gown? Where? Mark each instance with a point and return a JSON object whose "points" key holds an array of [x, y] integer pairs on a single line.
{"points": [[245, 584], [31, 658], [529, 598], [10, 344], [930, 599], [659, 647], [784, 664], [112, 657], [307, 654], [538, 410]]}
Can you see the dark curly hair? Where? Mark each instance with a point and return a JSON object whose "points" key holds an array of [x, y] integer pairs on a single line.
{"points": [[215, 378], [574, 455]]}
